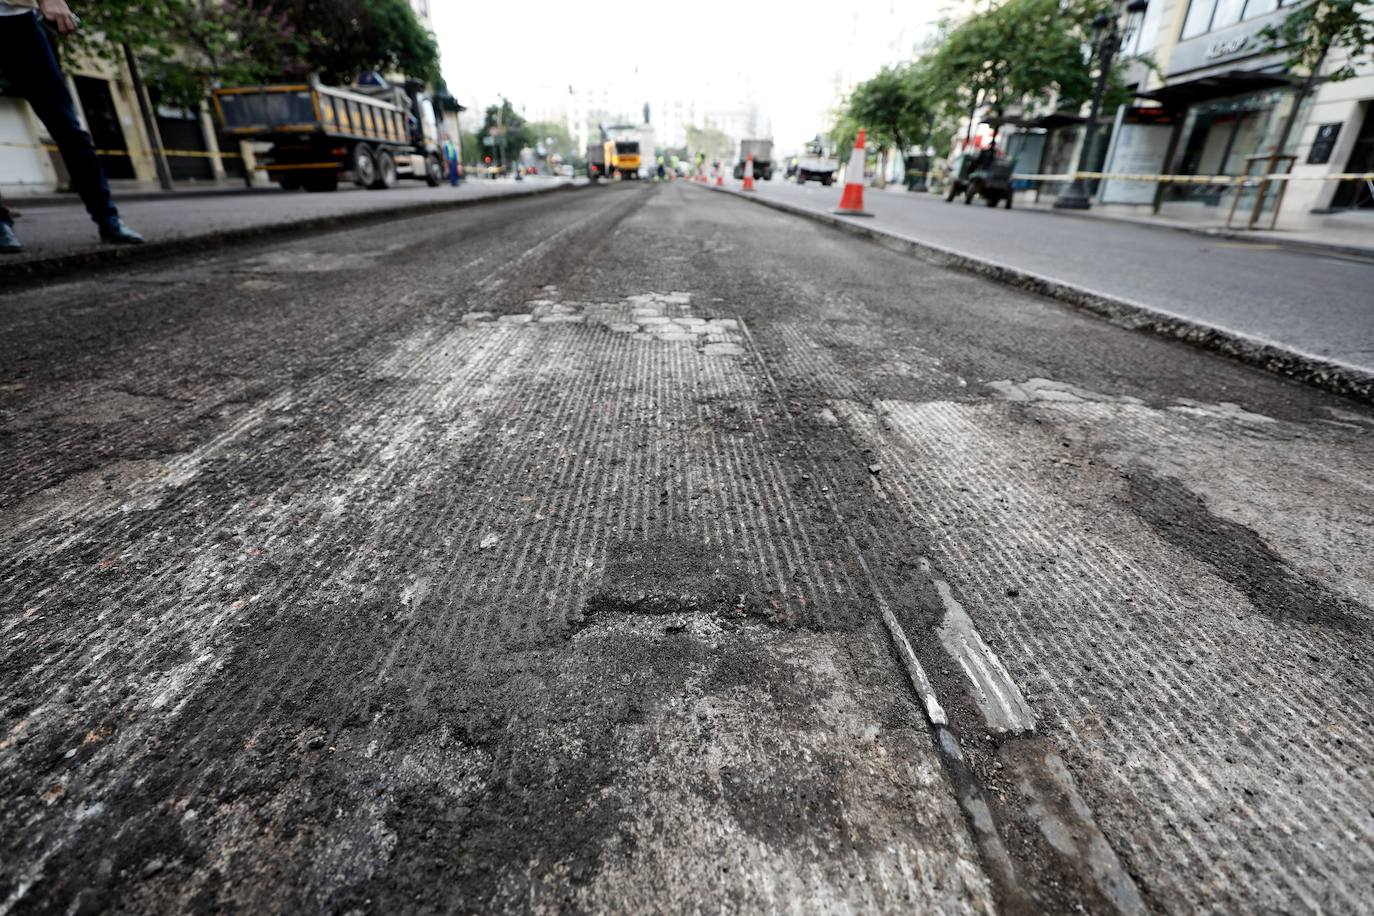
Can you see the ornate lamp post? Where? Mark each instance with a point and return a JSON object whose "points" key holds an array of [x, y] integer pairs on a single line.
{"points": [[1107, 40]]}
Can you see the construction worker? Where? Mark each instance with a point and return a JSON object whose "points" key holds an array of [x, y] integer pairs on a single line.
{"points": [[28, 64], [451, 158]]}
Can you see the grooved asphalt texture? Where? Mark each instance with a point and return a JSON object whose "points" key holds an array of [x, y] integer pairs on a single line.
{"points": [[499, 569]]}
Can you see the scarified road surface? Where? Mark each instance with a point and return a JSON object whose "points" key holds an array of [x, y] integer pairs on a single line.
{"points": [[640, 550]]}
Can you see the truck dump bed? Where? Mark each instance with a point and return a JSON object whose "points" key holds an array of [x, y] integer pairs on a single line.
{"points": [[309, 108]]}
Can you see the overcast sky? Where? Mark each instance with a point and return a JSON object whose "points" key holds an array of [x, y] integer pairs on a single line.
{"points": [[790, 57]]}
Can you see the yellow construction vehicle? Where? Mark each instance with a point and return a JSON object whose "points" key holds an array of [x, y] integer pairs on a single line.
{"points": [[621, 152]]}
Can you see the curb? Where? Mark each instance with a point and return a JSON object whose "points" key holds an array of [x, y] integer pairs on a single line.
{"points": [[1340, 378], [1332, 249], [29, 271]]}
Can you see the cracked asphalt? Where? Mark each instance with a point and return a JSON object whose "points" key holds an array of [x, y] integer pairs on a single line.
{"points": [[639, 549]]}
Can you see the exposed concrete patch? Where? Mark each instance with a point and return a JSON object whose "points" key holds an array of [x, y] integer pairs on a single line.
{"points": [[997, 695], [1053, 802]]}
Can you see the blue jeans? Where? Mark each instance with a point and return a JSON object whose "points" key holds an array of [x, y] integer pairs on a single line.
{"points": [[29, 65]]}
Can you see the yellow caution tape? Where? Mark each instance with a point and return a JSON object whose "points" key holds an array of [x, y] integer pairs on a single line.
{"points": [[1196, 179]]}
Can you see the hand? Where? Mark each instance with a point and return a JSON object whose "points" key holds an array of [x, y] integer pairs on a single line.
{"points": [[59, 14]]}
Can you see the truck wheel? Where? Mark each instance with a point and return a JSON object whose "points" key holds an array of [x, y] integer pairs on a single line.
{"points": [[970, 193], [434, 171], [827, 181], [363, 166], [953, 192], [1009, 200], [386, 172], [992, 199]]}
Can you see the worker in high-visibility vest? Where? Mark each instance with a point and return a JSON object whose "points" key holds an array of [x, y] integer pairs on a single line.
{"points": [[451, 159]]}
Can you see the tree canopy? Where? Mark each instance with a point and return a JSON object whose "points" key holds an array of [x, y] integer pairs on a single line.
{"points": [[187, 47], [1314, 29]]}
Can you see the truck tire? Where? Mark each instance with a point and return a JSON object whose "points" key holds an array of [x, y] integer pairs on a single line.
{"points": [[827, 181], [386, 172], [363, 166], [434, 171]]}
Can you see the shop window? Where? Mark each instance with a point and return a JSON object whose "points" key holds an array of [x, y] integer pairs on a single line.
{"points": [[1228, 13], [1199, 19]]}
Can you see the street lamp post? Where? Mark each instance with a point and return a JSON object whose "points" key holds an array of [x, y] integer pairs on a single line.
{"points": [[1106, 44]]}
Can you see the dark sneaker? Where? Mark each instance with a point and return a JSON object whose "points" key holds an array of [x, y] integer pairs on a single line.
{"points": [[9, 242], [115, 232]]}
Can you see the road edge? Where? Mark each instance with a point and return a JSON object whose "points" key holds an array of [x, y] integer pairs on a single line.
{"points": [[26, 272], [1336, 377]]}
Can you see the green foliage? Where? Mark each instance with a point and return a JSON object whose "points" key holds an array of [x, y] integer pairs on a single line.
{"points": [[348, 36], [1312, 30], [507, 128], [711, 141], [186, 47], [1018, 55], [553, 137]]}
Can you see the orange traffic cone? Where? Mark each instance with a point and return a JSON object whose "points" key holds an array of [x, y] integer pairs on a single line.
{"points": [[852, 201], [749, 172], [720, 176]]}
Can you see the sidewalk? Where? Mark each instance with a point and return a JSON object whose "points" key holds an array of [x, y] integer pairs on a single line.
{"points": [[1301, 312], [1337, 233], [62, 234]]}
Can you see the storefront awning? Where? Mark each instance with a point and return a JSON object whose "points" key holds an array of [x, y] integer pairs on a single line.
{"points": [[1055, 120], [1215, 86]]}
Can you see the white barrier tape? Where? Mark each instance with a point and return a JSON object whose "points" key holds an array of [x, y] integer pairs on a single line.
{"points": [[1248, 180]]}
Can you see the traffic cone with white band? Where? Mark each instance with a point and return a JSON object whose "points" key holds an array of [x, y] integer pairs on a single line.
{"points": [[749, 172], [852, 201]]}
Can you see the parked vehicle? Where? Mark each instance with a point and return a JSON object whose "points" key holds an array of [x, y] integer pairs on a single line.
{"points": [[983, 174], [596, 161], [817, 166], [763, 158], [372, 134]]}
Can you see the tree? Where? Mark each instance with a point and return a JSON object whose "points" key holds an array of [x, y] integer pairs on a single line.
{"points": [[349, 36], [187, 47], [710, 141], [553, 137], [507, 129], [1018, 55], [1309, 34]]}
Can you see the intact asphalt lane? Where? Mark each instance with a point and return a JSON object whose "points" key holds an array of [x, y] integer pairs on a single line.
{"points": [[1315, 303], [638, 549]]}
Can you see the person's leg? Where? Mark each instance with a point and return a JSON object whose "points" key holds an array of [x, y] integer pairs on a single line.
{"points": [[29, 64]]}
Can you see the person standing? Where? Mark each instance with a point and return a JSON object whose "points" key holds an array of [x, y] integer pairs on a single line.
{"points": [[29, 64], [451, 159]]}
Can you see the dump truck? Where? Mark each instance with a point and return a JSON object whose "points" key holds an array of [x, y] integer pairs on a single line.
{"points": [[372, 133], [762, 151], [596, 161]]}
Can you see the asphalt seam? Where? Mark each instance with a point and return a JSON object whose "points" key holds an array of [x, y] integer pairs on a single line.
{"points": [[1332, 375], [33, 270], [997, 861]]}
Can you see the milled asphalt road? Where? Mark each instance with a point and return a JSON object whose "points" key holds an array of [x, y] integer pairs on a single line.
{"points": [[644, 550], [1318, 304]]}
